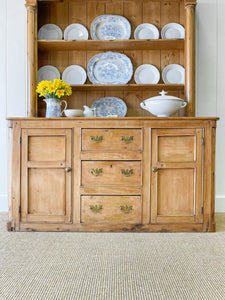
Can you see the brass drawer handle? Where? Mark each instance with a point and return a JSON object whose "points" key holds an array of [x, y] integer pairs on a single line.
{"points": [[96, 172], [68, 169], [126, 209], [127, 139], [96, 139], [155, 169], [127, 172], [96, 208]]}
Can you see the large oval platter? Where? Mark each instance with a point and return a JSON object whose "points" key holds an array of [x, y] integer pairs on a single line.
{"points": [[110, 27], [109, 107], [110, 68]]}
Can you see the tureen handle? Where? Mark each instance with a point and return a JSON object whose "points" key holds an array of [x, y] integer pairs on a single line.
{"points": [[163, 93], [183, 105]]}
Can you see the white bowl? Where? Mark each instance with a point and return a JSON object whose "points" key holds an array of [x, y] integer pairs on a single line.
{"points": [[164, 105], [70, 113]]}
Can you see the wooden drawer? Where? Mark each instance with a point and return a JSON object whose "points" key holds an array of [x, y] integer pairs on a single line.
{"points": [[127, 173], [112, 139], [111, 209]]}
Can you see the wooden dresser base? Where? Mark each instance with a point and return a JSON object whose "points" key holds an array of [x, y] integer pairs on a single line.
{"points": [[112, 175]]}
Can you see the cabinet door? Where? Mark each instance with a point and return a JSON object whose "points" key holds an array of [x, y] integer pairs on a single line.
{"points": [[176, 176], [46, 186]]}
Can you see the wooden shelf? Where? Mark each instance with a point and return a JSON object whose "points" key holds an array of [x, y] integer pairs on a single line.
{"points": [[128, 87], [102, 45]]}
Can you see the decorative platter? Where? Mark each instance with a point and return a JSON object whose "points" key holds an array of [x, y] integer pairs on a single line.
{"points": [[173, 31], [110, 27], [109, 68], [173, 74], [48, 72], [146, 74], [50, 32], [146, 31], [75, 31], [74, 74], [109, 107]]}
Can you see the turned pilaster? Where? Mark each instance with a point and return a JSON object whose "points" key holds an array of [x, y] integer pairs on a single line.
{"points": [[31, 6], [190, 56]]}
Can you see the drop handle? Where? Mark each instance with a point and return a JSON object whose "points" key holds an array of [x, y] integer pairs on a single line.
{"points": [[155, 169], [68, 169]]}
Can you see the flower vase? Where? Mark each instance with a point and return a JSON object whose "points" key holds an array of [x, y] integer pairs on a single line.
{"points": [[53, 108]]}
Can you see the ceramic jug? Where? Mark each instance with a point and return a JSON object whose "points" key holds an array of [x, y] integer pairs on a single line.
{"points": [[53, 108], [88, 112]]}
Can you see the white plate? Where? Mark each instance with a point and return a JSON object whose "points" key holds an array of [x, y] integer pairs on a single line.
{"points": [[146, 74], [146, 31], [173, 31], [50, 32], [74, 74], [110, 68], [75, 31], [48, 73], [173, 74], [109, 107], [110, 27]]}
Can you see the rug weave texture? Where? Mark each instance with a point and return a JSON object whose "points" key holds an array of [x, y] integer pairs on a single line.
{"points": [[97, 266]]}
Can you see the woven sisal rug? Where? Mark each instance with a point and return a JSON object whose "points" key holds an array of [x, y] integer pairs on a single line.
{"points": [[126, 266]]}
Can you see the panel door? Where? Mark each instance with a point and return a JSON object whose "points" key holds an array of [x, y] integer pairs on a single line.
{"points": [[176, 176], [46, 183]]}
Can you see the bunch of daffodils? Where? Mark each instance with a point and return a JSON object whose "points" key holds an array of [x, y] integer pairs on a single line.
{"points": [[56, 89]]}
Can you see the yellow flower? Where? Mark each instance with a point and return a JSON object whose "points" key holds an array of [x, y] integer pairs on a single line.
{"points": [[60, 93], [57, 89]]}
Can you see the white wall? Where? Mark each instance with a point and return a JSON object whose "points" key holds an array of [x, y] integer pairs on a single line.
{"points": [[12, 78], [210, 78]]}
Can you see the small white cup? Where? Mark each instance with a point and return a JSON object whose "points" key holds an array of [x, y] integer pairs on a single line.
{"points": [[70, 113]]}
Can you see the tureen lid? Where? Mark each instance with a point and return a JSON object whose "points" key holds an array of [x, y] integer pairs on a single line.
{"points": [[164, 96]]}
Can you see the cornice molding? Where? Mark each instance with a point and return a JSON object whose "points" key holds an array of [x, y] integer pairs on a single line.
{"points": [[190, 3], [31, 3]]}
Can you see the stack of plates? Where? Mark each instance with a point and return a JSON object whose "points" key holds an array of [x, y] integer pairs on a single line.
{"points": [[173, 31], [146, 74], [48, 72], [146, 31], [173, 74], [50, 32]]}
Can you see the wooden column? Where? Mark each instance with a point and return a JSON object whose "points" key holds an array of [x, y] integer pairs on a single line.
{"points": [[190, 56], [31, 6]]}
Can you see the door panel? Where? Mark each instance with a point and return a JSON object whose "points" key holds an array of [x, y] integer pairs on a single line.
{"points": [[180, 200], [46, 186], [176, 177]]}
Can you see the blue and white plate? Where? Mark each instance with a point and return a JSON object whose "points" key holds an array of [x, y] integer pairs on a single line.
{"points": [[110, 27], [109, 107], [110, 68]]}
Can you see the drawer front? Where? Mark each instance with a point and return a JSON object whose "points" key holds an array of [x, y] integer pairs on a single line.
{"points": [[111, 173], [111, 209], [112, 139]]}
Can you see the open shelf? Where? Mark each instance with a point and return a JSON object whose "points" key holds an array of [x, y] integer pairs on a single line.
{"points": [[128, 87], [102, 45]]}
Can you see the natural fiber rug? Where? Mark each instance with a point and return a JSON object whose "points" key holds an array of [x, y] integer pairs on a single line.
{"points": [[127, 266]]}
